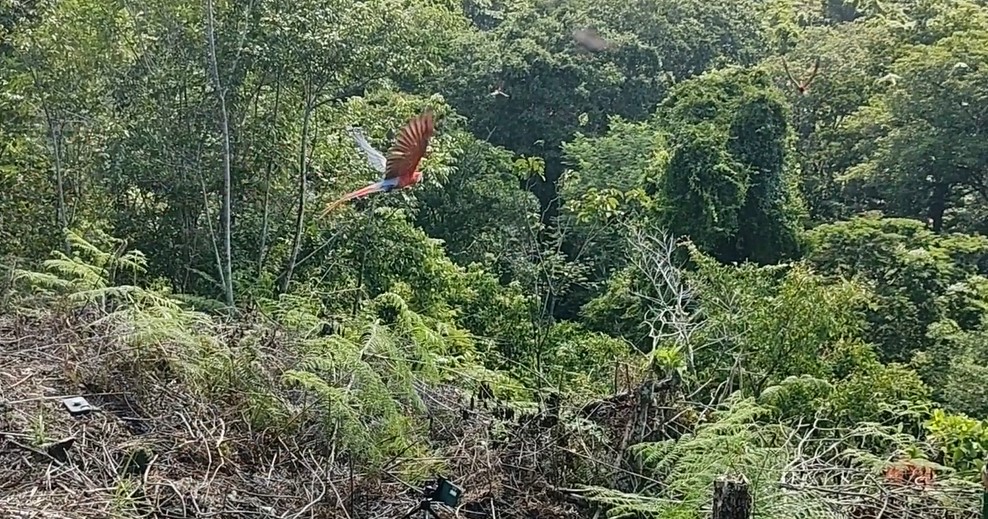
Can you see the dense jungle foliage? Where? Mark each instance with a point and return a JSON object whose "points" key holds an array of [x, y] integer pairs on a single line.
{"points": [[675, 204]]}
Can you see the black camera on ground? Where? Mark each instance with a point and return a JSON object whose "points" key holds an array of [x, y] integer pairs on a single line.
{"points": [[441, 491]]}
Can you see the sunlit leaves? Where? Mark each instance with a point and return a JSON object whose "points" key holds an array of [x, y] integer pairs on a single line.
{"points": [[961, 439], [525, 167], [906, 265], [928, 157], [869, 392], [783, 320], [628, 155]]}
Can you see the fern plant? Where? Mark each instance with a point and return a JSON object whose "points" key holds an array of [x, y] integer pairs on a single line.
{"points": [[363, 380], [732, 443], [88, 275]]}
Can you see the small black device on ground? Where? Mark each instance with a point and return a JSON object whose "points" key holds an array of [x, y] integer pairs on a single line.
{"points": [[442, 491]]}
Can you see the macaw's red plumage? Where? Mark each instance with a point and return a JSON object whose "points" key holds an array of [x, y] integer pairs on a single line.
{"points": [[400, 167]]}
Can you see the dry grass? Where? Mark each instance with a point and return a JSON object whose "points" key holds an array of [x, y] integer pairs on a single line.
{"points": [[152, 448]]}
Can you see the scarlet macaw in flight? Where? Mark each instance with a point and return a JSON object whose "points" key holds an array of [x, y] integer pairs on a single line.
{"points": [[400, 167]]}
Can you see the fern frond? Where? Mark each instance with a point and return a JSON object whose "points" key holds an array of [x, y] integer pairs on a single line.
{"points": [[41, 280], [733, 442], [621, 505], [84, 277], [122, 292]]}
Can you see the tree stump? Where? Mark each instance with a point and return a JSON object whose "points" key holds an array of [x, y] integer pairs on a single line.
{"points": [[731, 498]]}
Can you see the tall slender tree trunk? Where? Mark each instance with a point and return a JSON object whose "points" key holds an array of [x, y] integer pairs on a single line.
{"points": [[226, 266], [56, 151], [265, 224], [309, 106]]}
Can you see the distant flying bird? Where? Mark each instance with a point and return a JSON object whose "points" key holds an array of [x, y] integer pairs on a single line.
{"points": [[803, 87], [499, 90], [588, 39], [890, 79], [400, 167]]}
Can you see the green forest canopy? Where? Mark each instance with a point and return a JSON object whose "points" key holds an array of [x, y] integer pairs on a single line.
{"points": [[672, 201]]}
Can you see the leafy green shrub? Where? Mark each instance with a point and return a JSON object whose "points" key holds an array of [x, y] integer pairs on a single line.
{"points": [[961, 440], [581, 361], [909, 269], [868, 393]]}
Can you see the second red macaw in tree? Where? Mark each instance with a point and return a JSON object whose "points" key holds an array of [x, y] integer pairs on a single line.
{"points": [[400, 167]]}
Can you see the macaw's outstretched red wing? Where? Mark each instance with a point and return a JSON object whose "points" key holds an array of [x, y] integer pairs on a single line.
{"points": [[400, 167], [404, 156]]}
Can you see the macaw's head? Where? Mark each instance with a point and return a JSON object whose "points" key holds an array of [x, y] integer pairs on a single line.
{"points": [[416, 176]]}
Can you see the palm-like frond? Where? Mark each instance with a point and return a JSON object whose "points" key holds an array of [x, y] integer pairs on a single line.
{"points": [[734, 442]]}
